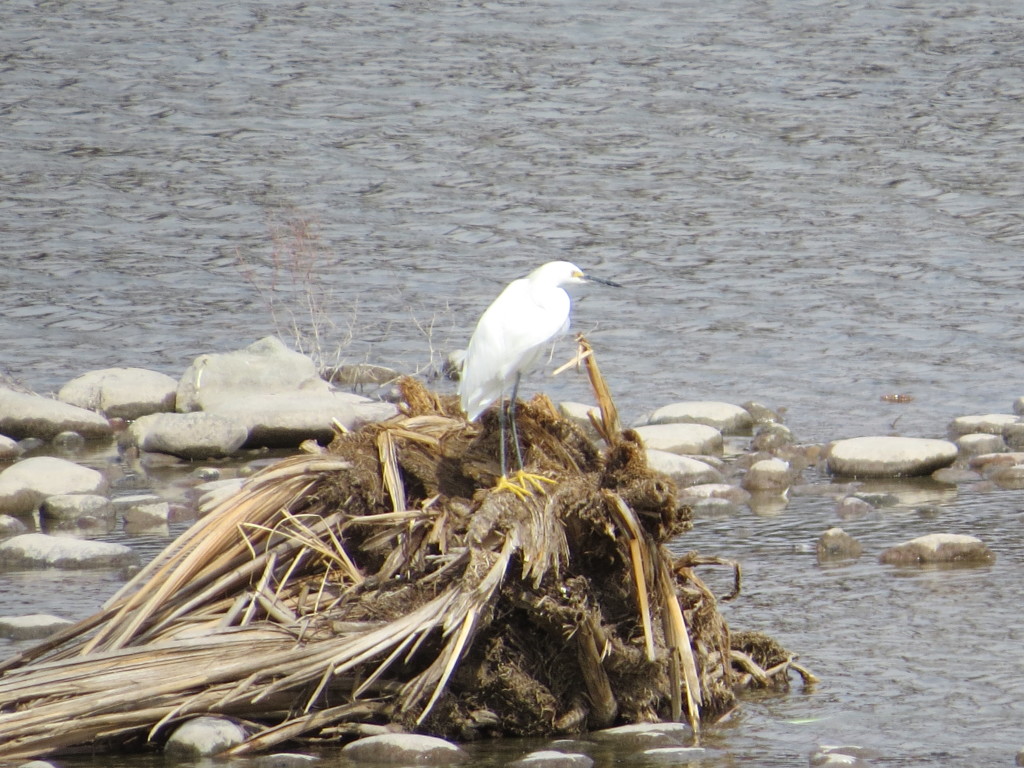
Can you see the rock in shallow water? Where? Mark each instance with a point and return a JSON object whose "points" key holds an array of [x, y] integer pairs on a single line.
{"points": [[32, 627], [25, 484], [641, 736], [938, 548], [837, 544], [683, 470], [681, 438], [37, 550], [27, 415], [404, 749], [549, 758], [889, 456], [122, 393], [204, 737], [725, 417], [188, 435]]}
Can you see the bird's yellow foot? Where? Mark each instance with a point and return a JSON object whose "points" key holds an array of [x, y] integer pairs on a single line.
{"points": [[504, 484], [528, 479]]}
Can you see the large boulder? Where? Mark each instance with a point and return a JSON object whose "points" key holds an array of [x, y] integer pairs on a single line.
{"points": [[23, 414], [25, 484], [889, 456], [124, 393], [265, 367]]}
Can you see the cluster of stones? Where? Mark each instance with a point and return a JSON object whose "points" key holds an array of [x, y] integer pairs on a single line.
{"points": [[724, 456]]}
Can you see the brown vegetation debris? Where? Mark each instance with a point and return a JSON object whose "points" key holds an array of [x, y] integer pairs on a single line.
{"points": [[384, 580]]}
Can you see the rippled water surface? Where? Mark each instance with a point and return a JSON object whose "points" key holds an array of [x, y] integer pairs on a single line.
{"points": [[811, 204]]}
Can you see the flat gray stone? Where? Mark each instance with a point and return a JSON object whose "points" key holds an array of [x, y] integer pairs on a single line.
{"points": [[121, 393], [142, 510], [76, 506], [726, 418], [979, 443], [11, 526], [889, 456], [684, 470], [24, 415], [37, 550], [34, 626], [640, 736], [286, 419], [693, 439], [26, 483], [991, 423], [404, 749], [939, 548], [674, 755], [550, 758], [204, 737], [187, 435], [265, 367], [9, 448], [286, 760]]}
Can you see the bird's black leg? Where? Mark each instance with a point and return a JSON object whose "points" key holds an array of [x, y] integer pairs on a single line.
{"points": [[512, 416], [501, 436]]}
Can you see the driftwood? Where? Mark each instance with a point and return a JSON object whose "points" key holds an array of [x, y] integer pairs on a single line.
{"points": [[382, 580]]}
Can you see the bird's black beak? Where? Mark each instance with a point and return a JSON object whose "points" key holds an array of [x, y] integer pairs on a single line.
{"points": [[602, 281]]}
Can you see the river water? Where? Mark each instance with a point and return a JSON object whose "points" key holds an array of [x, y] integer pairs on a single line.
{"points": [[810, 204]]}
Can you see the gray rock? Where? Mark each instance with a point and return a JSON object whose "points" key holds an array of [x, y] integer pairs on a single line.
{"points": [[639, 736], [978, 443], [187, 435], [9, 448], [837, 544], [889, 456], [1010, 478], [1013, 436], [404, 749], [674, 755], [24, 415], [768, 475], [725, 417], [935, 548], [32, 627], [732, 493], [683, 470], [681, 438], [37, 550], [550, 758], [37, 764], [286, 419], [25, 484], [771, 437], [77, 506], [285, 760], [204, 737], [844, 755], [142, 510], [854, 508], [710, 508], [121, 393], [761, 414], [991, 423], [361, 375], [11, 526], [265, 367]]}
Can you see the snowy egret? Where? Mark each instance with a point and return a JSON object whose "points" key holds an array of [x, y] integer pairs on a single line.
{"points": [[510, 339]]}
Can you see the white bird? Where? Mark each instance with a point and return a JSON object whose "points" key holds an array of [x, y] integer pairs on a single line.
{"points": [[510, 338]]}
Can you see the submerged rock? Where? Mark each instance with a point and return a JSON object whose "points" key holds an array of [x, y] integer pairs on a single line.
{"points": [[404, 749], [768, 475], [939, 548], [122, 393], [674, 755], [725, 417], [889, 456], [837, 544], [77, 506], [204, 737], [24, 415], [25, 484], [681, 438], [37, 550]]}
